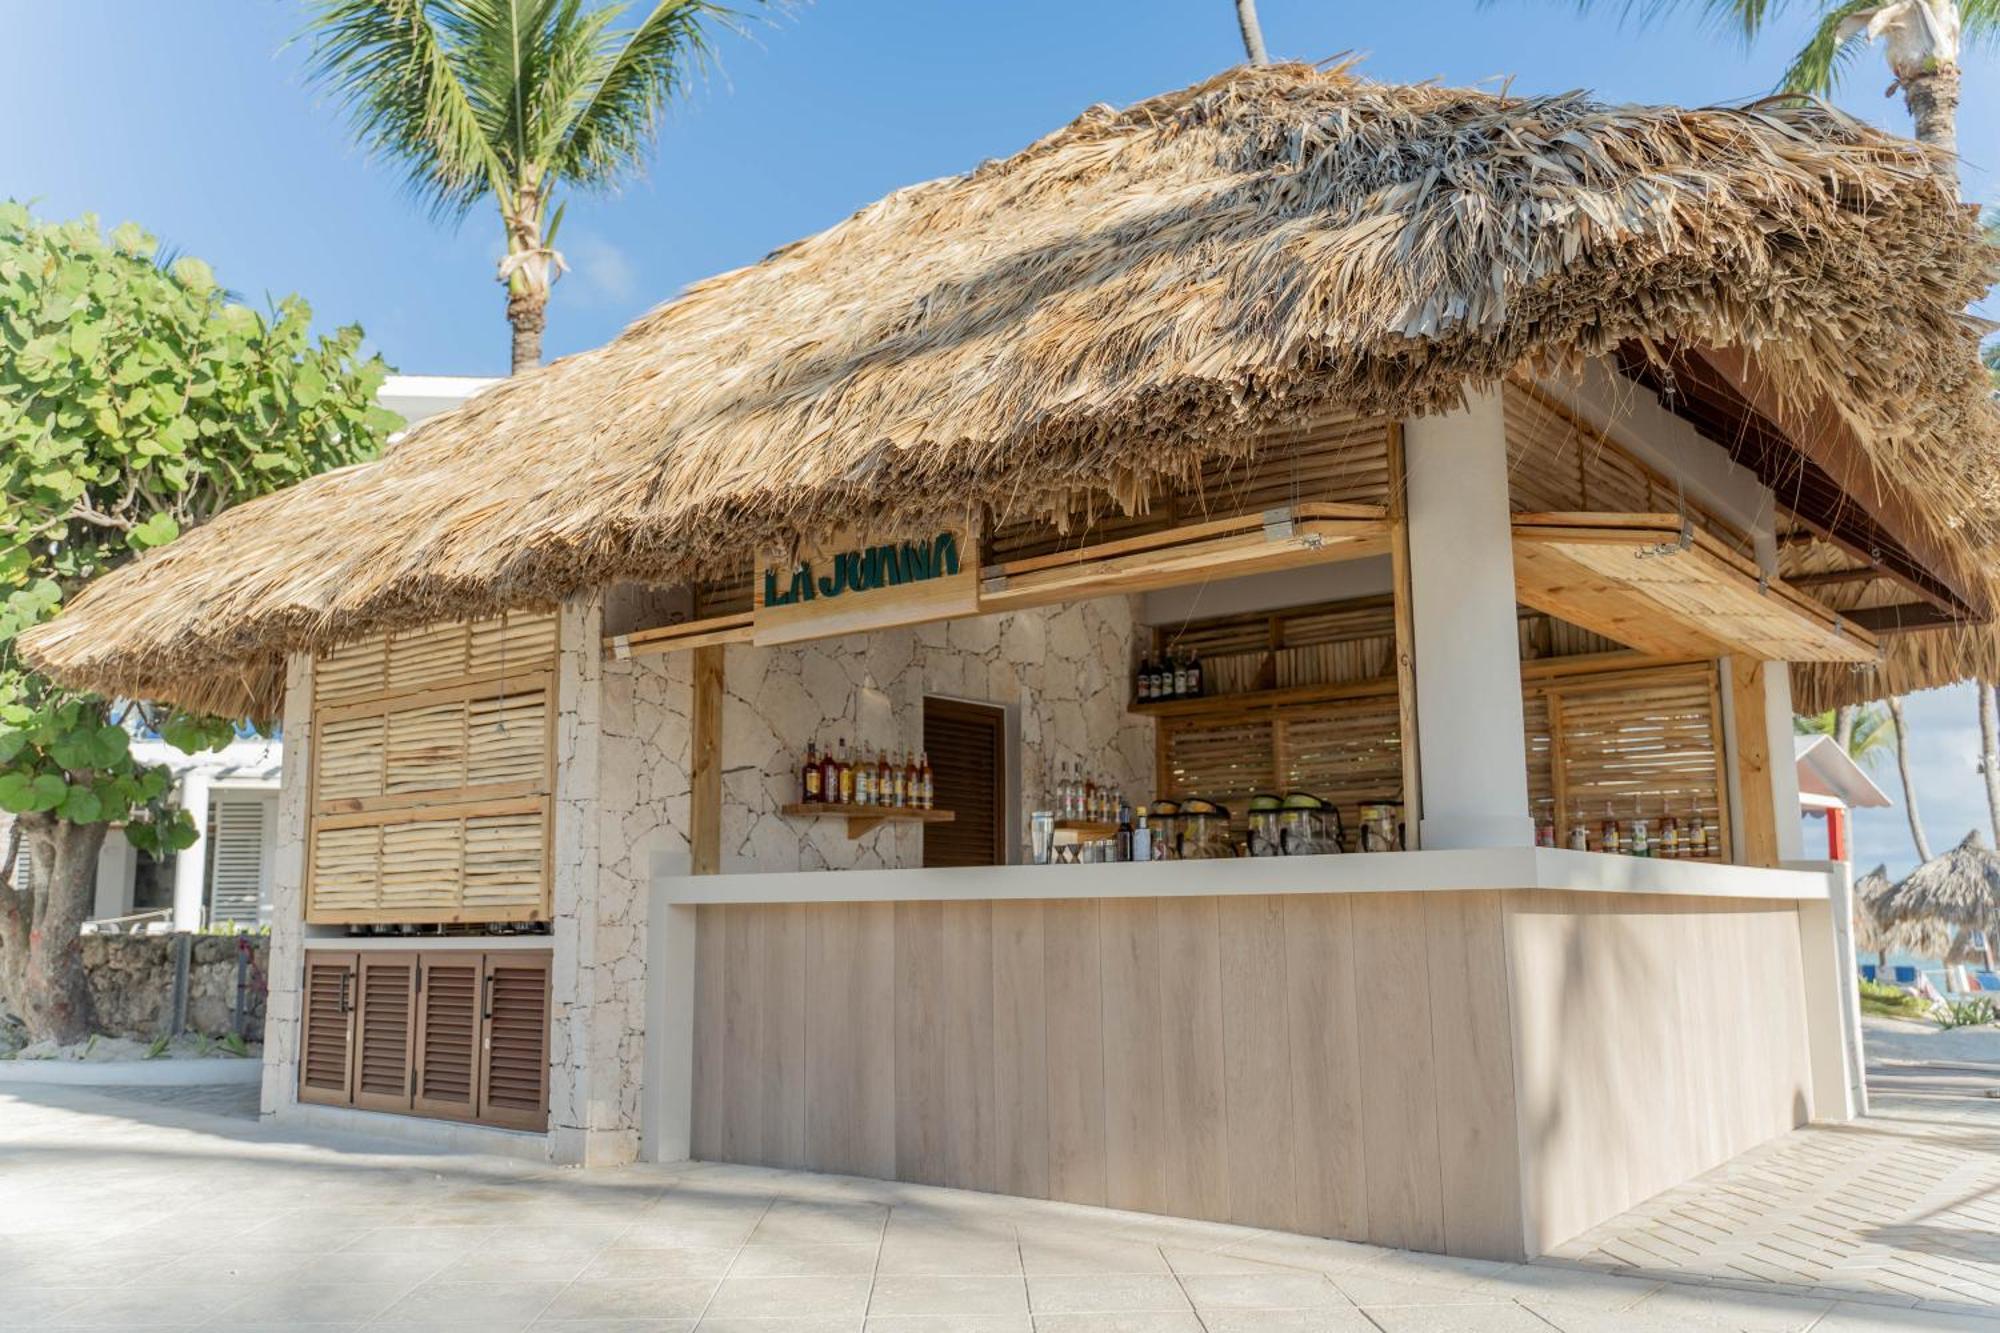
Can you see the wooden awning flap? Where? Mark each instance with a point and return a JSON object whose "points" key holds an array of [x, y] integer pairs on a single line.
{"points": [[1668, 588]]}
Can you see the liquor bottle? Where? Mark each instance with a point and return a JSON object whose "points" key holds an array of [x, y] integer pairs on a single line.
{"points": [[1670, 836], [864, 778], [1194, 675], [1180, 677], [1090, 810], [829, 777], [1697, 836], [1641, 844], [910, 793], [1611, 841], [1160, 677], [809, 788], [1124, 832], [898, 789], [924, 779], [846, 771], [1142, 840], [885, 779], [1142, 683], [1579, 835]]}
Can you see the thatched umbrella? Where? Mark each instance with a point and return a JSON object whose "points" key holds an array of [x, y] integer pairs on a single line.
{"points": [[1960, 888], [1876, 933]]}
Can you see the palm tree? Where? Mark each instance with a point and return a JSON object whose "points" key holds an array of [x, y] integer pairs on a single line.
{"points": [[511, 100], [1862, 730], [1253, 32], [1921, 39], [1909, 788]]}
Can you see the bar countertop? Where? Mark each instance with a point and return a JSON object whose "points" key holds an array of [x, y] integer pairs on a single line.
{"points": [[1354, 872]]}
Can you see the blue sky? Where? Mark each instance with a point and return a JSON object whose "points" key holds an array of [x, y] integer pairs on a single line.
{"points": [[193, 118]]}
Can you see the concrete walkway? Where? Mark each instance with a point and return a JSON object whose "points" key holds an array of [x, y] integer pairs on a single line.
{"points": [[176, 1209]]}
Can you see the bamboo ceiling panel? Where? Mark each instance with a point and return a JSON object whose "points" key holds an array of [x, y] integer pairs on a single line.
{"points": [[434, 656], [1638, 579]]}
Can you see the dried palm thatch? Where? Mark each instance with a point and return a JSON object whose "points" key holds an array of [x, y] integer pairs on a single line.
{"points": [[1960, 888], [1104, 312], [1919, 937]]}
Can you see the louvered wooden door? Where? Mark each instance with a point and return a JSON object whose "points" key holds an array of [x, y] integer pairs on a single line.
{"points": [[326, 1032], [385, 1032], [447, 1076], [967, 746], [514, 1049]]}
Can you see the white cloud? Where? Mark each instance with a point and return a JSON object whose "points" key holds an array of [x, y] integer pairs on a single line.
{"points": [[600, 273], [1944, 765]]}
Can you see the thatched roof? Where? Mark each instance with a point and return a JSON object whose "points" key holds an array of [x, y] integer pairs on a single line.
{"points": [[1961, 887], [1874, 932], [1107, 310]]}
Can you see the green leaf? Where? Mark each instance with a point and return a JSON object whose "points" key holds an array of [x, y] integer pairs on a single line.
{"points": [[46, 791], [157, 530], [81, 806], [15, 796]]}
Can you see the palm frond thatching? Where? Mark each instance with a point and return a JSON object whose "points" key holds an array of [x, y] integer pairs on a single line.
{"points": [[1960, 888], [1107, 311]]}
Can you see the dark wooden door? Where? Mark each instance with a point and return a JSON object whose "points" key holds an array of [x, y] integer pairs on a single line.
{"points": [[514, 1049], [447, 1079], [326, 1030], [967, 746], [385, 1030]]}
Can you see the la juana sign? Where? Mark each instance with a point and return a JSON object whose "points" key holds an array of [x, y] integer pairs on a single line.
{"points": [[850, 587]]}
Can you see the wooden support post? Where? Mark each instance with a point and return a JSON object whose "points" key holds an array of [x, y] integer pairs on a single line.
{"points": [[1406, 639], [1752, 769], [705, 790]]}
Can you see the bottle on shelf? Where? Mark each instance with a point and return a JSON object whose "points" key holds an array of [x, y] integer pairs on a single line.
{"points": [[1194, 675], [885, 781], [864, 778], [909, 779], [1124, 852], [1142, 681], [1180, 687], [1640, 843], [846, 774], [1698, 840], [1670, 835], [924, 779], [1089, 797], [1609, 838], [809, 786], [829, 777]]}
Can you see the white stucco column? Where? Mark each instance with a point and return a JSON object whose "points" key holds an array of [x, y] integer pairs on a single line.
{"points": [[285, 966], [191, 862], [1467, 639]]}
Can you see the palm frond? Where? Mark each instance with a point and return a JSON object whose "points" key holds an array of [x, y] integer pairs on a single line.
{"points": [[1979, 22], [395, 65], [641, 72], [1817, 68]]}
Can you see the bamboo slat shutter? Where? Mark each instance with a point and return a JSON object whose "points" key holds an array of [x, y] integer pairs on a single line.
{"points": [[447, 1079], [385, 1030], [236, 859], [514, 1059], [432, 770], [966, 744], [326, 1029], [1644, 744]]}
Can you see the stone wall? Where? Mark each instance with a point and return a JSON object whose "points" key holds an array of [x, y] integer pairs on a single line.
{"points": [[132, 984]]}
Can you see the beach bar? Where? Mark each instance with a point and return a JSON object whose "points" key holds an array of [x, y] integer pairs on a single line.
{"points": [[1237, 663]]}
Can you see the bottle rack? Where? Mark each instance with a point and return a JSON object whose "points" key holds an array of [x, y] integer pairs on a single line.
{"points": [[863, 819]]}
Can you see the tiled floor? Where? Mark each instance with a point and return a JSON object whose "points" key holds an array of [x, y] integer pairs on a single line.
{"points": [[135, 1212]]}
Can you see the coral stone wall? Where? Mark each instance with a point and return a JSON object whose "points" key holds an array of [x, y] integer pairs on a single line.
{"points": [[1064, 670], [132, 984]]}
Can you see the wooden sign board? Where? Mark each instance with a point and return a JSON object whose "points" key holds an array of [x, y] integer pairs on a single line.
{"points": [[853, 586]]}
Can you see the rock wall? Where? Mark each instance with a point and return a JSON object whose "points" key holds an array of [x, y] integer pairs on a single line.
{"points": [[132, 984]]}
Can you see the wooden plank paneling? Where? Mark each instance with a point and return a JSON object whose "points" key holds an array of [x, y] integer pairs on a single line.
{"points": [[710, 1047], [851, 1039], [705, 759], [744, 987], [1257, 1062], [1193, 1073], [920, 1043], [1075, 1016], [1753, 763], [1326, 1065], [971, 1141], [1399, 1092], [1020, 1051], [1134, 1087]]}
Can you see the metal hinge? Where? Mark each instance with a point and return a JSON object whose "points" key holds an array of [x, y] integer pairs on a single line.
{"points": [[1684, 541], [1278, 525]]}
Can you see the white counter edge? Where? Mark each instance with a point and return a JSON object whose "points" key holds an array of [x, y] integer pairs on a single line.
{"points": [[404, 943], [1381, 872]]}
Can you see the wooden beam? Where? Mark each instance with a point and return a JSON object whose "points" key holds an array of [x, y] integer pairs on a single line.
{"points": [[1752, 770], [705, 788], [1406, 639], [1905, 618]]}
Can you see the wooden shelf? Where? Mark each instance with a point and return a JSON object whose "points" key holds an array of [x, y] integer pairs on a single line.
{"points": [[866, 818], [1087, 828]]}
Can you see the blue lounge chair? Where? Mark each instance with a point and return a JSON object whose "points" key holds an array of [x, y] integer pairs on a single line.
{"points": [[1868, 971], [1988, 981], [1905, 974]]}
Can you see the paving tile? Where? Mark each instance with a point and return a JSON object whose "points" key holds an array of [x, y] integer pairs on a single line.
{"points": [[1104, 1294], [1849, 1317], [1749, 1311], [497, 1305], [908, 1294], [696, 1233], [1330, 1319], [702, 1261], [1161, 1321], [304, 1303], [1071, 1255], [961, 1323], [789, 1222], [134, 1307], [783, 1324], [956, 1257], [839, 1259], [1194, 1263], [764, 1297], [1261, 1291], [1369, 1290], [614, 1326], [1456, 1319], [30, 1306], [632, 1298]]}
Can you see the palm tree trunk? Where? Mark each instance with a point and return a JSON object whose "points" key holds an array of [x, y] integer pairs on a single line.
{"points": [[1253, 32], [527, 312], [1909, 788], [1843, 728], [1932, 97]]}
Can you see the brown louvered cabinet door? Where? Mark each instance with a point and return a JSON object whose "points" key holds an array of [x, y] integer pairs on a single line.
{"points": [[514, 1047], [967, 747], [385, 1032], [326, 1029], [447, 1078]]}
